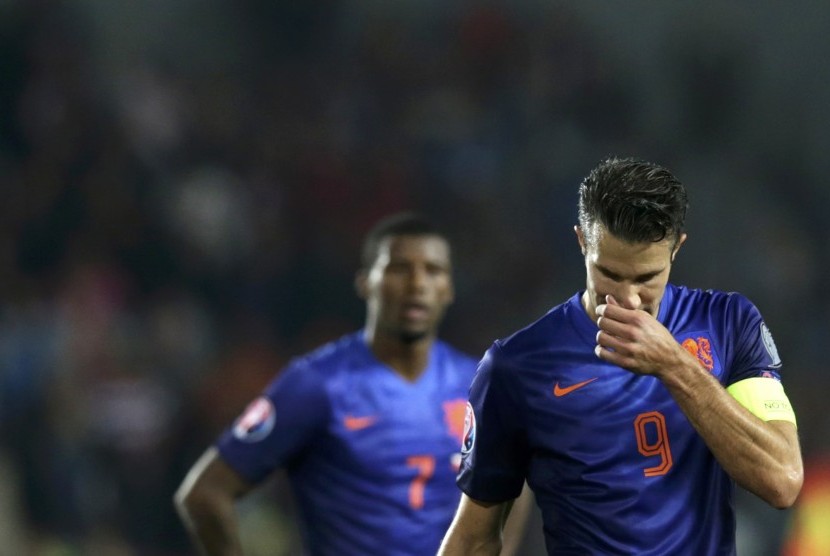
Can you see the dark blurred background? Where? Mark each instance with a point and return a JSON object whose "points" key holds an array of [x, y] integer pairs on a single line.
{"points": [[185, 185]]}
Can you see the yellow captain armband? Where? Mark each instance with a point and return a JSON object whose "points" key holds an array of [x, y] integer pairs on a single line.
{"points": [[764, 398]]}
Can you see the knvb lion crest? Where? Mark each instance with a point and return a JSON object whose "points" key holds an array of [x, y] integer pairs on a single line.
{"points": [[454, 412], [701, 348]]}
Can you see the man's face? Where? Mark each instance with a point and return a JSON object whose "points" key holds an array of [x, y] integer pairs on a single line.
{"points": [[409, 286], [636, 274]]}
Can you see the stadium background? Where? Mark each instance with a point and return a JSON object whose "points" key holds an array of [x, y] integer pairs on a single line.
{"points": [[185, 185]]}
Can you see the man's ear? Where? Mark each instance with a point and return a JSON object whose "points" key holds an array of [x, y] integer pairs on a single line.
{"points": [[360, 285], [680, 241], [580, 237]]}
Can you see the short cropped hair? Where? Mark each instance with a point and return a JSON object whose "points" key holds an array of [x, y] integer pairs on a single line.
{"points": [[634, 200], [400, 224]]}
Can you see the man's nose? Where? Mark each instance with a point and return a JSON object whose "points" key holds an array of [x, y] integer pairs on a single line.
{"points": [[628, 295], [417, 278]]}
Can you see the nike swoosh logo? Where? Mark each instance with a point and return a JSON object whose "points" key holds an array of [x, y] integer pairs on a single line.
{"points": [[559, 392], [358, 423]]}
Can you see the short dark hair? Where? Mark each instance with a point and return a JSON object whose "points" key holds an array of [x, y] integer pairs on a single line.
{"points": [[636, 201], [399, 224]]}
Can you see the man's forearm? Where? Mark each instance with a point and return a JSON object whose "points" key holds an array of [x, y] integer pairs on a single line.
{"points": [[476, 529], [762, 457], [213, 528], [456, 544]]}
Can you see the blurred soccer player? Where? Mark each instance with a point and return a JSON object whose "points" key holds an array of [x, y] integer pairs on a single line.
{"points": [[633, 407], [368, 427]]}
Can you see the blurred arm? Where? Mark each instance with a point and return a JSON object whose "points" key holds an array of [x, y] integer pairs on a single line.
{"points": [[516, 526], [206, 503], [476, 528]]}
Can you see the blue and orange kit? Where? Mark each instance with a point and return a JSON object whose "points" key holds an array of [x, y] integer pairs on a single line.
{"points": [[614, 463], [371, 458]]}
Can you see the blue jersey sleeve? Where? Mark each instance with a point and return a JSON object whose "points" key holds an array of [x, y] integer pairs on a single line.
{"points": [[755, 352], [291, 413], [495, 455]]}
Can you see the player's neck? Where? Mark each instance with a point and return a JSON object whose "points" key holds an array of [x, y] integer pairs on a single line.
{"points": [[408, 359], [588, 306]]}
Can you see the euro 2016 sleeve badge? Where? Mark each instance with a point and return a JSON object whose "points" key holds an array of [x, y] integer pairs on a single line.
{"points": [[769, 344], [256, 421], [469, 437]]}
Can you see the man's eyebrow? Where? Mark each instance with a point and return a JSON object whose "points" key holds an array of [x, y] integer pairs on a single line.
{"points": [[640, 278]]}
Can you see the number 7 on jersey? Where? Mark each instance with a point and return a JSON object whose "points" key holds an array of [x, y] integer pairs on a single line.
{"points": [[425, 465]]}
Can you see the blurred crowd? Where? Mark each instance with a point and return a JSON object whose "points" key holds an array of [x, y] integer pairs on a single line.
{"points": [[186, 185]]}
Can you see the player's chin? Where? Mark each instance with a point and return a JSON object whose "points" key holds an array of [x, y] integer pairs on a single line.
{"points": [[410, 335]]}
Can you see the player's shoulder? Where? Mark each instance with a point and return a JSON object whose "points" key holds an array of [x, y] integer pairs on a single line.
{"points": [[709, 300], [457, 357], [332, 355], [556, 326], [538, 333]]}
